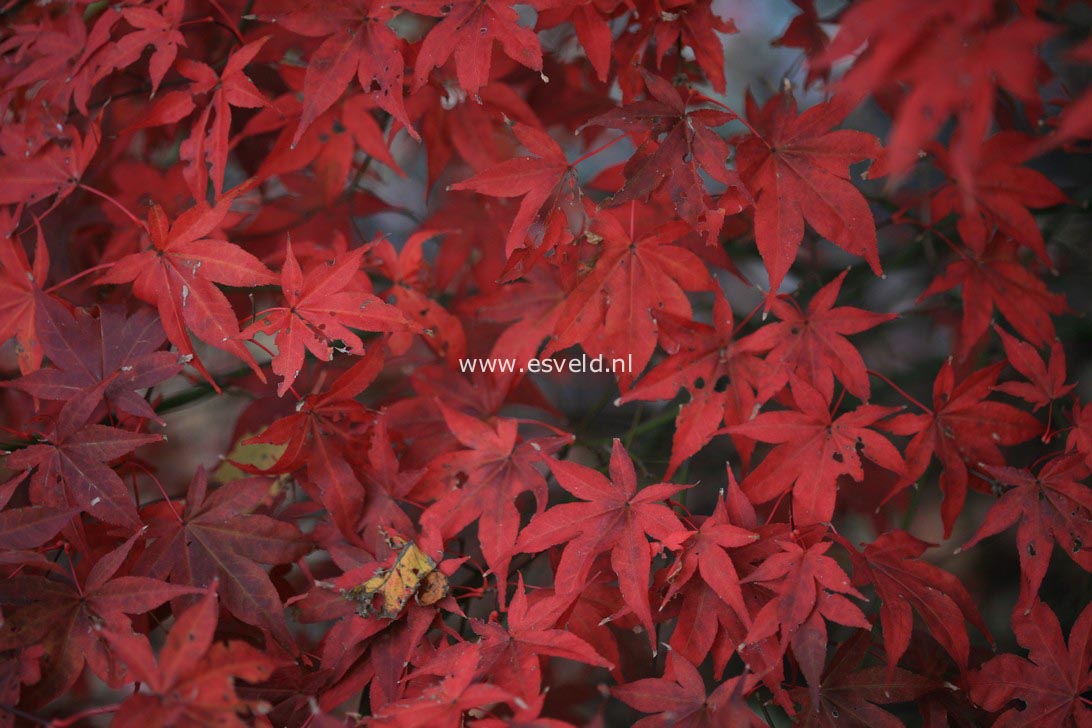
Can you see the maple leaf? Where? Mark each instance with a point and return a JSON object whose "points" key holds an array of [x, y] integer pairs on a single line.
{"points": [[813, 345], [798, 170], [997, 279], [529, 306], [209, 141], [545, 178], [65, 616], [610, 312], [319, 309], [916, 46], [591, 23], [680, 699], [1046, 382], [674, 24], [155, 28], [358, 42], [412, 290], [1080, 437], [1052, 506], [445, 703], [388, 485], [677, 144], [511, 654], [314, 437], [71, 463], [805, 31], [722, 374], [716, 590], [55, 170], [177, 273], [1003, 190], [813, 448], [851, 694], [961, 428], [612, 516], [906, 584], [1075, 121], [28, 528], [1050, 683], [217, 536], [810, 589], [193, 681], [19, 282], [493, 472], [468, 30], [62, 58], [86, 350]]}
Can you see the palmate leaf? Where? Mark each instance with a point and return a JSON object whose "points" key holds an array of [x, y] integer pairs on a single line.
{"points": [[178, 271], [611, 516], [798, 170], [813, 447], [65, 616], [1050, 683], [217, 537]]}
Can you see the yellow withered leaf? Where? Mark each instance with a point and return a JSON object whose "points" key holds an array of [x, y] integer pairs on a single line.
{"points": [[385, 594]]}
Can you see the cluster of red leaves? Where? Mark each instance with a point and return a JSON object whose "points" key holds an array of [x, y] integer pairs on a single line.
{"points": [[213, 196]]}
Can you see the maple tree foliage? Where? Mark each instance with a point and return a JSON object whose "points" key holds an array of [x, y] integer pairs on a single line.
{"points": [[273, 277]]}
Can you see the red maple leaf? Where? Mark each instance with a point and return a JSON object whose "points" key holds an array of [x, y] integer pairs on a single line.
{"points": [[86, 350], [55, 170], [1050, 683], [962, 428], [19, 283], [315, 437], [320, 308], [65, 616], [591, 23], [851, 694], [915, 47], [468, 31], [798, 170], [1080, 437], [444, 702], [813, 448], [610, 312], [209, 140], [722, 374], [679, 699], [218, 537], [1046, 382], [810, 589], [193, 681], [998, 279], [613, 516], [676, 145], [673, 24], [512, 653], [716, 591], [492, 473], [1050, 507], [812, 345], [1003, 190], [157, 28], [545, 178], [177, 273], [71, 463], [906, 584], [358, 42]]}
